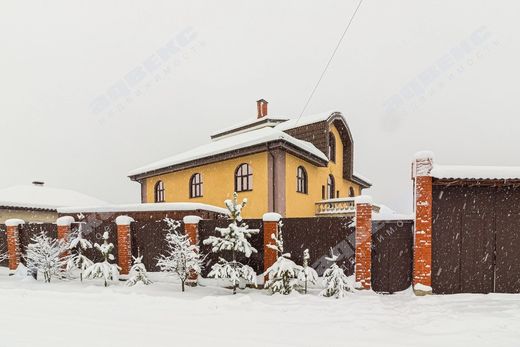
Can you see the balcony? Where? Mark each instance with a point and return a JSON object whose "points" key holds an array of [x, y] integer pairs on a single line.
{"points": [[339, 207]]}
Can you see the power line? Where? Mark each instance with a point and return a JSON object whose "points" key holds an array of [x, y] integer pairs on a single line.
{"points": [[330, 60]]}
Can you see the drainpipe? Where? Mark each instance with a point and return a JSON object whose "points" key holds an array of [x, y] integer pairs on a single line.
{"points": [[274, 177]]}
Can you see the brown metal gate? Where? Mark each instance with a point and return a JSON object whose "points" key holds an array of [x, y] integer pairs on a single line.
{"points": [[476, 230], [392, 255]]}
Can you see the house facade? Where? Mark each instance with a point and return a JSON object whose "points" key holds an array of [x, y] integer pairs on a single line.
{"points": [[289, 166]]}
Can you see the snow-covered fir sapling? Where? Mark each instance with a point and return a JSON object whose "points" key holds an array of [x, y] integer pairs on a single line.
{"points": [[77, 246], [4, 255], [308, 274], [47, 256], [138, 272], [283, 274], [234, 238], [104, 269], [334, 279], [182, 258]]}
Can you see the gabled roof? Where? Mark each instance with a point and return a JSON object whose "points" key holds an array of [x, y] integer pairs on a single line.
{"points": [[43, 197], [231, 144]]}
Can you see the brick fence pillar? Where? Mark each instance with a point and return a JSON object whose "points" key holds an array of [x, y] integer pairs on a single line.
{"points": [[191, 228], [124, 246], [363, 266], [13, 241], [63, 225], [422, 265], [270, 224]]}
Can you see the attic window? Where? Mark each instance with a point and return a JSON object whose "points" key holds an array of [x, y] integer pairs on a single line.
{"points": [[332, 147]]}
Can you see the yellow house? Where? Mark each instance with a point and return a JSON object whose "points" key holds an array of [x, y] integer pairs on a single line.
{"points": [[298, 168]]}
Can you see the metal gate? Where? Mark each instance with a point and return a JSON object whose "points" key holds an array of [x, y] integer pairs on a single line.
{"points": [[476, 231], [392, 255]]}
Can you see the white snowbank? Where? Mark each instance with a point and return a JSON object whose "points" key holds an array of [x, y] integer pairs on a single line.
{"points": [[43, 197], [386, 213], [271, 217], [422, 287], [475, 172], [65, 221], [191, 219], [14, 222], [124, 220], [229, 144], [363, 199], [164, 206]]}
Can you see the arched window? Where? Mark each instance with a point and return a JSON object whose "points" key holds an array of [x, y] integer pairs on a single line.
{"points": [[351, 192], [196, 186], [243, 178], [330, 187], [159, 191], [332, 147], [301, 180]]}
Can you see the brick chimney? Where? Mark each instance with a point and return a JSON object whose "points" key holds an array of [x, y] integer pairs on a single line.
{"points": [[261, 106]]}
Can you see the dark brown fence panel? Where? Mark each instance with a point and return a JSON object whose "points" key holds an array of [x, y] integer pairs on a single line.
{"points": [[207, 228], [319, 235], [93, 231], [3, 243], [148, 239], [507, 271], [29, 230], [392, 255]]}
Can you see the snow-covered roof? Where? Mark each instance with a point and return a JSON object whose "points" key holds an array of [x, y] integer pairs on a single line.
{"points": [[248, 125], [147, 207], [386, 213], [229, 144], [475, 172], [43, 197], [305, 120]]}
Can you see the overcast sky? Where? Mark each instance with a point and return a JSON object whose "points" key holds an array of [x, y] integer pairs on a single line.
{"points": [[90, 90]]}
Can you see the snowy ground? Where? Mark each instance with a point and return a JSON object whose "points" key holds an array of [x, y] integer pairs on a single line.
{"points": [[75, 314]]}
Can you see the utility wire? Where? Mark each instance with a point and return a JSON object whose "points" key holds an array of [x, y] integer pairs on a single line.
{"points": [[330, 60]]}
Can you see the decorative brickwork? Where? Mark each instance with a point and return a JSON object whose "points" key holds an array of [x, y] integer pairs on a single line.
{"points": [[191, 228], [363, 245], [422, 279], [13, 246]]}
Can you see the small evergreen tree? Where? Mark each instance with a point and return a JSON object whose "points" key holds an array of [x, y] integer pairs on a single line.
{"points": [[4, 255], [138, 272], [182, 258], [308, 274], [104, 269], [77, 259], [283, 274], [234, 238], [334, 279], [46, 255]]}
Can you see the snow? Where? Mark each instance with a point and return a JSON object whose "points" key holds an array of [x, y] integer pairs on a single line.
{"points": [[422, 287], [271, 217], [386, 213], [65, 221], [305, 120], [475, 172], [160, 315], [228, 144], [424, 155], [14, 222], [43, 197], [249, 124], [163, 206], [191, 219], [361, 177], [363, 199], [124, 220]]}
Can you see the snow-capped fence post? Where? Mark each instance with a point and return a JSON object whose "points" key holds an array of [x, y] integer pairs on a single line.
{"points": [[363, 266], [270, 226], [124, 246], [422, 264], [13, 241], [191, 228], [63, 225]]}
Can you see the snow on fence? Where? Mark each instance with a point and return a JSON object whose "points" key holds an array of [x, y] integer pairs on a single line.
{"points": [[3, 243]]}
